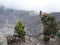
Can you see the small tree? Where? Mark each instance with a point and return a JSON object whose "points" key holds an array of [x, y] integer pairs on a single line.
{"points": [[19, 30], [50, 26]]}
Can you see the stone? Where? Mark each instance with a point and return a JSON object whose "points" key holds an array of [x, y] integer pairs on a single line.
{"points": [[3, 40]]}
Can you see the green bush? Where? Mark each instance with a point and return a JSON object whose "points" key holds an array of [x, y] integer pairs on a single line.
{"points": [[19, 30], [50, 25]]}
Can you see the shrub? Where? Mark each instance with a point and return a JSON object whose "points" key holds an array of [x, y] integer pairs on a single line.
{"points": [[19, 30], [50, 26]]}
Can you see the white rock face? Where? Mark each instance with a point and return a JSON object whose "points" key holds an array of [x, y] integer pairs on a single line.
{"points": [[30, 41], [7, 31], [3, 40]]}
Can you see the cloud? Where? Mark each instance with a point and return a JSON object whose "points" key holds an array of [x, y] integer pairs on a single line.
{"points": [[45, 5]]}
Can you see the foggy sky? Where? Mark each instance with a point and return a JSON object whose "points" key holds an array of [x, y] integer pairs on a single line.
{"points": [[36, 5]]}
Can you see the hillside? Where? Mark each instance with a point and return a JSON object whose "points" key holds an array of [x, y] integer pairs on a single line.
{"points": [[30, 19]]}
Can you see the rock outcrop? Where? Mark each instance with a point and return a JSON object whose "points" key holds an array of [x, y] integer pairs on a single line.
{"points": [[3, 40]]}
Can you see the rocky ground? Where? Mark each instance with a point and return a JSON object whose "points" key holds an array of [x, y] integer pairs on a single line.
{"points": [[35, 41]]}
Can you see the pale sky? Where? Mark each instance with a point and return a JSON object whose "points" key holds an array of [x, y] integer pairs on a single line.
{"points": [[36, 5]]}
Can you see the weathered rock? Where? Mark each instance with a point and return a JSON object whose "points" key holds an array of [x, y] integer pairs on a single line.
{"points": [[3, 40], [30, 41]]}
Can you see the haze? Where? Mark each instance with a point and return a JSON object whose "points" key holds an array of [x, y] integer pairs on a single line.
{"points": [[36, 5]]}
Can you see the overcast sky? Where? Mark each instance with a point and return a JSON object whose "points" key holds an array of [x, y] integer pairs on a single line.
{"points": [[36, 5]]}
